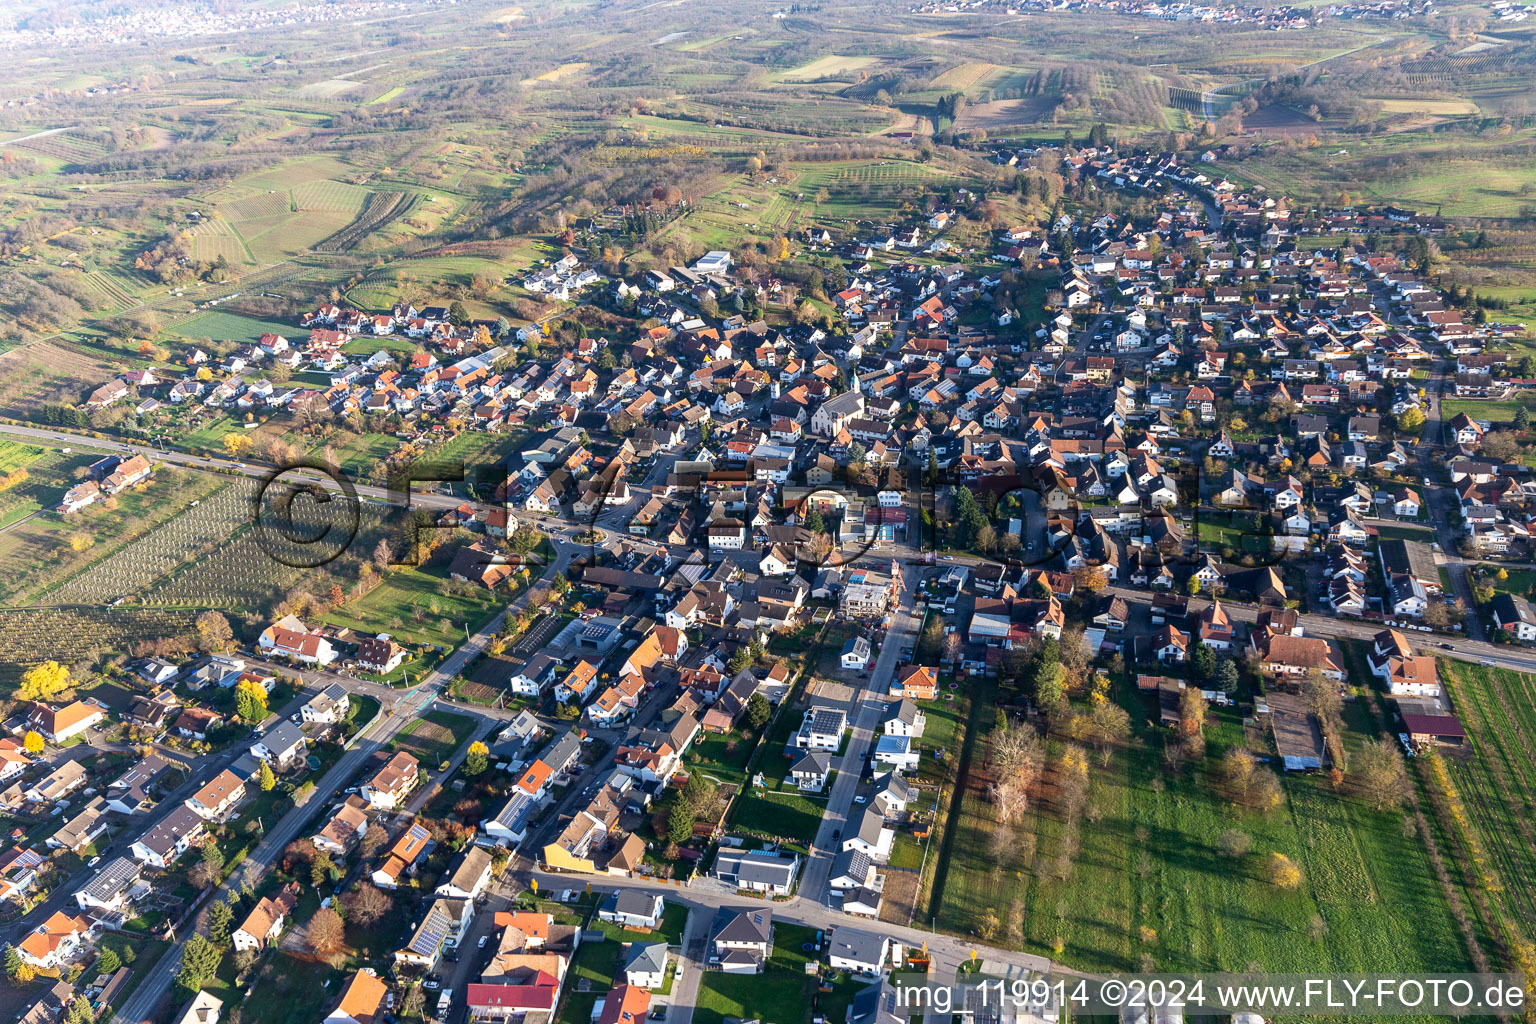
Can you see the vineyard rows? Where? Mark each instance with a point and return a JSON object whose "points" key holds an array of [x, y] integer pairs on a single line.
{"points": [[380, 209], [242, 574], [181, 539], [28, 636]]}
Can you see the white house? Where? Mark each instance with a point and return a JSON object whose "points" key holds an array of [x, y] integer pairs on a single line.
{"points": [[265, 921], [871, 835], [821, 729], [855, 656], [327, 707], [903, 718], [851, 949], [632, 908]]}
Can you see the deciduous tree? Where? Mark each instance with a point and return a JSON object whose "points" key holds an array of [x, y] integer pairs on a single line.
{"points": [[43, 681], [325, 931]]}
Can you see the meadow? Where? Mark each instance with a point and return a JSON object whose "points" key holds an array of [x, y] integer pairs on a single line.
{"points": [[1147, 880]]}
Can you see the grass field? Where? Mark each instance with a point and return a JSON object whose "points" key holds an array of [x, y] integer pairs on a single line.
{"points": [[1495, 412], [418, 605], [788, 814], [434, 736], [222, 326], [1148, 859]]}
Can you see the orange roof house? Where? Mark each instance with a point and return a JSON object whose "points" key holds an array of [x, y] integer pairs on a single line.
{"points": [[361, 1001], [52, 942], [917, 682]]}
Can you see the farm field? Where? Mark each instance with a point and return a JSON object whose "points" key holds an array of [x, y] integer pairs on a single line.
{"points": [[66, 635], [224, 326], [49, 550], [33, 479], [831, 67], [1497, 786]]}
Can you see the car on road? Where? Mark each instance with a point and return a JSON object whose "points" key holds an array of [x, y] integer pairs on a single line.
{"points": [[481, 943], [433, 983], [1447, 647]]}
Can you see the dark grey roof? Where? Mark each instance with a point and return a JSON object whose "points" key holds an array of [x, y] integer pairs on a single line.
{"points": [[743, 924], [632, 903], [162, 838], [112, 879], [646, 956], [852, 864], [282, 737], [559, 754], [817, 761], [857, 945], [471, 865], [755, 866], [871, 822], [903, 710]]}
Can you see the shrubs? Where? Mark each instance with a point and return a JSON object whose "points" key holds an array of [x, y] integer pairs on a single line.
{"points": [[1282, 872]]}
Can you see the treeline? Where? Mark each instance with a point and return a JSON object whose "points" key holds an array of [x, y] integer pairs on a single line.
{"points": [[41, 299], [170, 261]]}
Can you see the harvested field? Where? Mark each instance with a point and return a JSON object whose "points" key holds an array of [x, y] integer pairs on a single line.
{"points": [[963, 76], [1002, 113], [831, 66]]}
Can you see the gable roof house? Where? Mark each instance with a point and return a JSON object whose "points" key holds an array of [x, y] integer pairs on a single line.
{"points": [[168, 840], [61, 724], [265, 921], [469, 876], [392, 782], [344, 828], [740, 939], [410, 848], [54, 942], [362, 1001], [328, 707], [219, 797]]}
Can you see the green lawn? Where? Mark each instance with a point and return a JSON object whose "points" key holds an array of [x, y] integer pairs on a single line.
{"points": [[1148, 858], [222, 326], [777, 998], [722, 756], [292, 991], [790, 815], [418, 605], [906, 851], [1519, 581], [1496, 412]]}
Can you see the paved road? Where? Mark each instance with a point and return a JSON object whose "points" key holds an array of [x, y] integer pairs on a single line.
{"points": [[379, 732], [705, 897], [850, 767], [206, 768]]}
